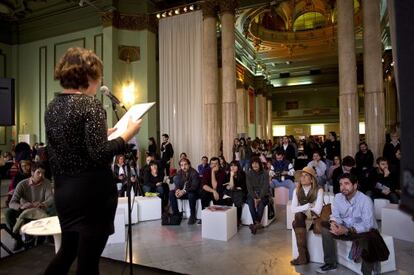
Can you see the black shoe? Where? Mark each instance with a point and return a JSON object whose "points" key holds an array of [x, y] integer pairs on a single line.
{"points": [[191, 220], [326, 268], [199, 222], [253, 229]]}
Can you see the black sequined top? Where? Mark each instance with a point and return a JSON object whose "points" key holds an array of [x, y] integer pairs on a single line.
{"points": [[76, 135]]}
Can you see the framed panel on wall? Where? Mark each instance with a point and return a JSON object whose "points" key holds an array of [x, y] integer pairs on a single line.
{"points": [[2, 135], [252, 108]]}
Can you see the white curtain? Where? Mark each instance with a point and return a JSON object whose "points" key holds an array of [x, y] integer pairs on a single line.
{"points": [[181, 100]]}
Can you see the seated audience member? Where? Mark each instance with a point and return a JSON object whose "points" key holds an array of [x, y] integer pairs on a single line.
{"points": [[284, 172], [348, 166], [352, 219], [364, 158], [183, 155], [236, 187], [319, 166], [23, 173], [382, 183], [224, 165], [288, 149], [336, 164], [187, 186], [257, 183], [154, 182], [32, 199], [307, 200], [202, 166], [212, 184], [390, 150]]}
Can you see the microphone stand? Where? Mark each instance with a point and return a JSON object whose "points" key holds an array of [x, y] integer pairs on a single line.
{"points": [[129, 185]]}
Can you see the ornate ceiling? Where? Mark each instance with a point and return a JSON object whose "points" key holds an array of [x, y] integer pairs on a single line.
{"points": [[294, 41]]}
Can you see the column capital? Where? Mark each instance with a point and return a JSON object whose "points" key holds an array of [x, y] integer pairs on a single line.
{"points": [[228, 6], [209, 8]]}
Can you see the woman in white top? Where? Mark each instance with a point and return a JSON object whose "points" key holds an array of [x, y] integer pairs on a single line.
{"points": [[307, 198]]}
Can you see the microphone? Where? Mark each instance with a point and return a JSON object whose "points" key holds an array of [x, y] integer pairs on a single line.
{"points": [[105, 91]]}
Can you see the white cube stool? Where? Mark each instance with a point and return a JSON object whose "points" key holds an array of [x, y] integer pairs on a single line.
{"points": [[315, 248], [219, 225], [119, 234], [149, 208], [123, 204], [378, 205], [343, 248], [246, 217], [184, 206], [289, 215], [281, 195], [396, 223]]}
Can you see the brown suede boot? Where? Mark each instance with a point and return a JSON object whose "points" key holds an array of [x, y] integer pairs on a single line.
{"points": [[303, 258]]}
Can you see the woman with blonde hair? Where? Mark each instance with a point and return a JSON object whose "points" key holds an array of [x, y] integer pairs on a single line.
{"points": [[307, 200]]}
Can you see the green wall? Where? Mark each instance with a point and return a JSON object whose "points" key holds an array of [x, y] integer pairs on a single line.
{"points": [[32, 64]]}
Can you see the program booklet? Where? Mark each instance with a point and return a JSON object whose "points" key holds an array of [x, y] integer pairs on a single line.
{"points": [[135, 112]]}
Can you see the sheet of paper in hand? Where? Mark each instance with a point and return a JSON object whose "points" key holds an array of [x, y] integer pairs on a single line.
{"points": [[135, 112]]}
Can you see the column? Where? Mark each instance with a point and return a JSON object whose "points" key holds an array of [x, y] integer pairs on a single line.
{"points": [[373, 82], [229, 121], [391, 112], [269, 118], [241, 109], [263, 114], [348, 96], [211, 139]]}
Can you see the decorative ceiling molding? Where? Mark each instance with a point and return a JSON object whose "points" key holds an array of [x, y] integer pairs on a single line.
{"points": [[130, 22]]}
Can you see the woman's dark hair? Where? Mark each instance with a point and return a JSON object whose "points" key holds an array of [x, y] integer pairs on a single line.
{"points": [[153, 162], [256, 159], [333, 134], [348, 161], [75, 66], [152, 139]]}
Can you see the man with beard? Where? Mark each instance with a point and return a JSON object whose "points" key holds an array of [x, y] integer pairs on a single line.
{"points": [[187, 183], [352, 219]]}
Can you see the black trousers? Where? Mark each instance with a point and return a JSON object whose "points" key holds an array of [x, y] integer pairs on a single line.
{"points": [[329, 247], [192, 199], [207, 197], [86, 246]]}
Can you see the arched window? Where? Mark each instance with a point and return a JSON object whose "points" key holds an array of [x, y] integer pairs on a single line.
{"points": [[309, 20]]}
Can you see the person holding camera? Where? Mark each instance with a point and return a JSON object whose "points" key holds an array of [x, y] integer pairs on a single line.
{"points": [[283, 173]]}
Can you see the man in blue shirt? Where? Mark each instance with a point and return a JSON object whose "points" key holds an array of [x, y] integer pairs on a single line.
{"points": [[203, 166], [352, 216]]}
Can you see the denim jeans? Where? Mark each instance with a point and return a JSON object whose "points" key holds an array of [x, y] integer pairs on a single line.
{"points": [[257, 213]]}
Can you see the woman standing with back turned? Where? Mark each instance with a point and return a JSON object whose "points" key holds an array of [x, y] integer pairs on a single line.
{"points": [[80, 155]]}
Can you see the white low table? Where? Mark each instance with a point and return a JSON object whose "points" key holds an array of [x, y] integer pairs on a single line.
{"points": [[396, 223], [44, 227], [119, 224], [123, 205], [219, 225], [149, 208]]}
